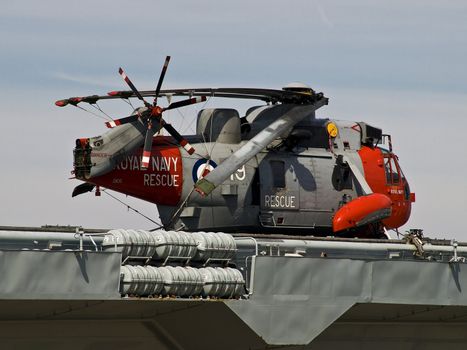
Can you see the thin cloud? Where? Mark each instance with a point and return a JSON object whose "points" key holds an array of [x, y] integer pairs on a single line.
{"points": [[322, 15], [101, 81]]}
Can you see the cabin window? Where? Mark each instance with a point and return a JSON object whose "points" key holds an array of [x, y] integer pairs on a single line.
{"points": [[278, 173], [255, 189]]}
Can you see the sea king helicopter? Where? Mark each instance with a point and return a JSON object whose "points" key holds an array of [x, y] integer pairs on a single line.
{"points": [[276, 169]]}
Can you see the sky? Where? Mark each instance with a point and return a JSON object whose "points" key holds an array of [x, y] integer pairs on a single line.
{"points": [[399, 65]]}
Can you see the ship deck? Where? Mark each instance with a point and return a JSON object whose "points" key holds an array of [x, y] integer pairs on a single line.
{"points": [[301, 293]]}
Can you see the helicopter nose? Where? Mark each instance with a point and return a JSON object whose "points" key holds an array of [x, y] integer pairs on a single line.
{"points": [[401, 207]]}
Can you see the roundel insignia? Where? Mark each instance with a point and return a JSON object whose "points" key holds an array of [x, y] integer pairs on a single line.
{"points": [[332, 129], [201, 168]]}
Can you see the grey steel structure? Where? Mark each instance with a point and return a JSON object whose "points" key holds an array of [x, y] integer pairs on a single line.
{"points": [[64, 290]]}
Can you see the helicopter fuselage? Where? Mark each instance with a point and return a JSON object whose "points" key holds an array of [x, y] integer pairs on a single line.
{"points": [[303, 182]]}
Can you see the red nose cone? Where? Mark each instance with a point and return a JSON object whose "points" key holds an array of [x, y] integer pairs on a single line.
{"points": [[362, 210]]}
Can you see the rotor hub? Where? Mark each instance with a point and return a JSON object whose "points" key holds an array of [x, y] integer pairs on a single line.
{"points": [[156, 111]]}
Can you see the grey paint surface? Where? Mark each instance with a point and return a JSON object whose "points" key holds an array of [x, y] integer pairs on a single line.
{"points": [[396, 326], [137, 324], [193, 324], [59, 275], [295, 299], [25, 238]]}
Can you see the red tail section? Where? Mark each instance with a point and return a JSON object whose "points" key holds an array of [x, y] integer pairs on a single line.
{"points": [[160, 183]]}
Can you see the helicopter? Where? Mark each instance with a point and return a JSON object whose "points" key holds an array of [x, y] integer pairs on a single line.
{"points": [[278, 169]]}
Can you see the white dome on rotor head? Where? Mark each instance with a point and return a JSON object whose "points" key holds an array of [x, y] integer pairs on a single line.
{"points": [[297, 87]]}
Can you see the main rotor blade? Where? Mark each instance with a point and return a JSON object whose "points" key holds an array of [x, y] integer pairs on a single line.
{"points": [[184, 103], [161, 79], [117, 122], [218, 175], [147, 147], [356, 173], [180, 139], [132, 87]]}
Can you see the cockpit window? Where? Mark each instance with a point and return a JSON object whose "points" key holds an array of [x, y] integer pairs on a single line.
{"points": [[394, 174], [392, 169]]}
